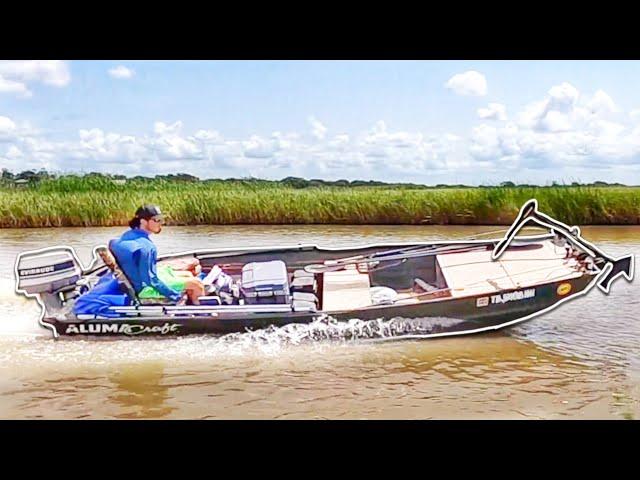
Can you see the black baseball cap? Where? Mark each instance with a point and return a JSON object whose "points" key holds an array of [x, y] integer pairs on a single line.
{"points": [[149, 211]]}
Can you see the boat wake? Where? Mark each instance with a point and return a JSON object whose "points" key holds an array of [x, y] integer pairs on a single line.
{"points": [[18, 314], [279, 344], [330, 329]]}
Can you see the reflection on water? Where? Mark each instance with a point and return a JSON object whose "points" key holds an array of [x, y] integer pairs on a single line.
{"points": [[140, 391], [483, 376], [579, 361]]}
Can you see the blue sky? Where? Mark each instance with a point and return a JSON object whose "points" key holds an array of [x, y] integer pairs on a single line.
{"points": [[474, 122]]}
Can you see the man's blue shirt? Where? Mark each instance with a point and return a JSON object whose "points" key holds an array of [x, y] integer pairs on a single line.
{"points": [[137, 256]]}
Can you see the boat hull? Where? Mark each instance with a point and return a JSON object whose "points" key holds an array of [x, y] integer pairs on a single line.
{"points": [[447, 316]]}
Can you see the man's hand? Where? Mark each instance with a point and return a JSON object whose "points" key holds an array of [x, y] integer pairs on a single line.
{"points": [[183, 300]]}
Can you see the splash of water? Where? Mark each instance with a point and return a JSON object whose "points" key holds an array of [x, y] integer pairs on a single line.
{"points": [[18, 314], [274, 342], [330, 329]]}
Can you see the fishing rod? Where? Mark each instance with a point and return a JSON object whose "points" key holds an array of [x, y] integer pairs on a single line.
{"points": [[612, 268], [333, 265], [403, 254]]}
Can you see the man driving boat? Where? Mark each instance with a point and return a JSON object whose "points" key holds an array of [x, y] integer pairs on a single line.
{"points": [[137, 256]]}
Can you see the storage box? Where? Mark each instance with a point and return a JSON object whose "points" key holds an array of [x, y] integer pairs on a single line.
{"points": [[345, 290], [265, 282], [304, 284], [302, 273]]}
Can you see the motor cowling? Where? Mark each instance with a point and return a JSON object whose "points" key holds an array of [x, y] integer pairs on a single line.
{"points": [[47, 272]]}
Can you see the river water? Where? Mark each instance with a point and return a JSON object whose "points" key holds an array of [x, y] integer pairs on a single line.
{"points": [[581, 360]]}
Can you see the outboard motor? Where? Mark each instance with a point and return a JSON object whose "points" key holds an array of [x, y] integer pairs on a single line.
{"points": [[48, 272]]}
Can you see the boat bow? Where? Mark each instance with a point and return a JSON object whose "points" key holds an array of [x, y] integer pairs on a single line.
{"points": [[611, 268]]}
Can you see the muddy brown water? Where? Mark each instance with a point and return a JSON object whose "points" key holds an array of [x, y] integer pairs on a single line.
{"points": [[581, 360]]}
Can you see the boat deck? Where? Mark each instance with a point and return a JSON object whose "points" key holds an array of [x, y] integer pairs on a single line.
{"points": [[475, 273]]}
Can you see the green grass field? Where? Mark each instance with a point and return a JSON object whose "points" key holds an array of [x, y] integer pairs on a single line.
{"points": [[86, 201]]}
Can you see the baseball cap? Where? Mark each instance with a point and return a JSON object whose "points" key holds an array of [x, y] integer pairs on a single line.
{"points": [[149, 211]]}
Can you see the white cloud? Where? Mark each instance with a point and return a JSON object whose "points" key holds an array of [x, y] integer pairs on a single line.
{"points": [[563, 96], [339, 143], [169, 143], [318, 130], [601, 103], [565, 129], [555, 121], [485, 142], [49, 72], [209, 136], [14, 153], [495, 111], [16, 74], [11, 86], [121, 72], [531, 114], [161, 128], [6, 125], [376, 151], [551, 142], [468, 83], [258, 147]]}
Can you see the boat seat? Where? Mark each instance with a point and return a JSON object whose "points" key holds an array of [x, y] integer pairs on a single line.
{"points": [[111, 262]]}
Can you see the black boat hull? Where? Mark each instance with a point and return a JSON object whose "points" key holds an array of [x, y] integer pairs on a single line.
{"points": [[447, 316]]}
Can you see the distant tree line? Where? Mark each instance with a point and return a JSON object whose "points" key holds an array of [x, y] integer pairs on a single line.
{"points": [[31, 177]]}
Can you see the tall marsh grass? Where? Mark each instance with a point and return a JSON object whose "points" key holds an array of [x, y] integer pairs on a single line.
{"points": [[78, 201]]}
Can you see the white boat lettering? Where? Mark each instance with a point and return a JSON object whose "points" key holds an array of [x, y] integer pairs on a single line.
{"points": [[121, 328], [513, 296], [35, 271], [138, 329]]}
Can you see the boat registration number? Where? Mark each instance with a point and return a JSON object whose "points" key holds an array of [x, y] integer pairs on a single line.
{"points": [[506, 297]]}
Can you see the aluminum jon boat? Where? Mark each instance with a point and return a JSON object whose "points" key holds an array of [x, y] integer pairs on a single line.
{"points": [[446, 287]]}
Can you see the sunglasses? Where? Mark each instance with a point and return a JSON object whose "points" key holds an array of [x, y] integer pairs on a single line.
{"points": [[158, 220]]}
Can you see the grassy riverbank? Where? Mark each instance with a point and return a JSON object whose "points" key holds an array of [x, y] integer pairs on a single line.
{"points": [[76, 201]]}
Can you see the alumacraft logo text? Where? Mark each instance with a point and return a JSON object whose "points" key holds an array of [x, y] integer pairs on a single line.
{"points": [[511, 296], [122, 328]]}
